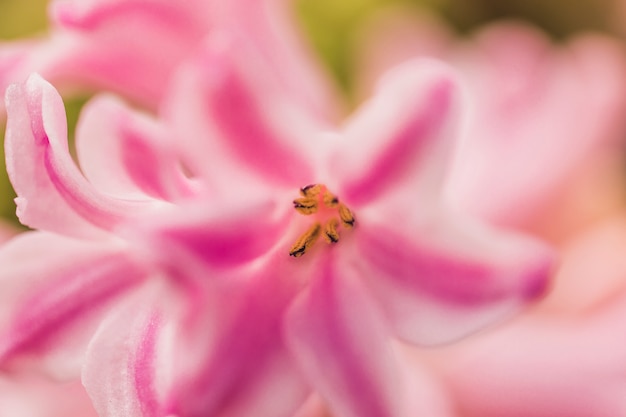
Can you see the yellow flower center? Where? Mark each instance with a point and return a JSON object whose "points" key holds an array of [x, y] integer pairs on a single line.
{"points": [[332, 215]]}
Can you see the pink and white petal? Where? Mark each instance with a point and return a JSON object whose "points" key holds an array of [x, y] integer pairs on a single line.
{"points": [[221, 236], [103, 45], [230, 358], [228, 103], [542, 366], [127, 154], [126, 365], [270, 26], [343, 348], [448, 276], [54, 289], [402, 137], [52, 193]]}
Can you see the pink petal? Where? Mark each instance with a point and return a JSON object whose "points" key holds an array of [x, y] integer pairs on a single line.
{"points": [[526, 94], [48, 307], [342, 347], [127, 154], [228, 103], [233, 361], [27, 395], [227, 234], [447, 277], [52, 193], [544, 366], [124, 369], [402, 136]]}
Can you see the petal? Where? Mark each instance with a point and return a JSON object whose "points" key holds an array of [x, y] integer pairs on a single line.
{"points": [[27, 395], [223, 235], [343, 348], [520, 142], [233, 360], [123, 365], [405, 133], [447, 276], [543, 366], [49, 307], [227, 103], [52, 193], [127, 154]]}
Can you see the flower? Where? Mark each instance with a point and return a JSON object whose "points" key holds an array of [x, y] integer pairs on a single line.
{"points": [[168, 256]]}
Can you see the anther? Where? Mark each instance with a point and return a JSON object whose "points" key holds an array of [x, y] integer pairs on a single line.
{"points": [[346, 216], [330, 200], [305, 205], [330, 231], [305, 241], [311, 190]]}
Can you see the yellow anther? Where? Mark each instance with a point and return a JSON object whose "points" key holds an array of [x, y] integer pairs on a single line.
{"points": [[311, 191], [305, 205], [305, 241], [330, 200], [346, 216], [330, 231]]}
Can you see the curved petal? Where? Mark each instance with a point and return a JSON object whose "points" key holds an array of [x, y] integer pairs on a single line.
{"points": [[53, 290], [52, 193], [448, 276], [227, 103], [342, 347], [233, 361], [130, 47], [123, 371], [223, 235], [543, 366], [402, 136], [127, 154]]}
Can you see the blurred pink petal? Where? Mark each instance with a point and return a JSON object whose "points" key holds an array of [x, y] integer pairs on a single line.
{"points": [[29, 395], [538, 111], [134, 46]]}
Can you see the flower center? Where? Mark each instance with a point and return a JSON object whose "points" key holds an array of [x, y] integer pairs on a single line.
{"points": [[331, 215]]}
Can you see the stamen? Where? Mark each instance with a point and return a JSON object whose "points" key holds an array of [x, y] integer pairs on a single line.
{"points": [[330, 200], [305, 205], [330, 231], [305, 241], [346, 216], [311, 190]]}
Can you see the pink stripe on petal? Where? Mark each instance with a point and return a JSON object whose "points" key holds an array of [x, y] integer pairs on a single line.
{"points": [[52, 193], [402, 136], [227, 103], [443, 280], [62, 291], [224, 235], [125, 368], [245, 370], [124, 153], [343, 348]]}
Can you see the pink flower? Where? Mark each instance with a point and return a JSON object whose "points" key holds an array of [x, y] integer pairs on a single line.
{"points": [[168, 255], [540, 114], [133, 47]]}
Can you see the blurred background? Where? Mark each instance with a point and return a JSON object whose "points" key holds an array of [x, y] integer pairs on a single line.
{"points": [[333, 26]]}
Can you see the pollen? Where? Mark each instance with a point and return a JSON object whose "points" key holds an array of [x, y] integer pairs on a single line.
{"points": [[305, 241], [331, 216]]}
